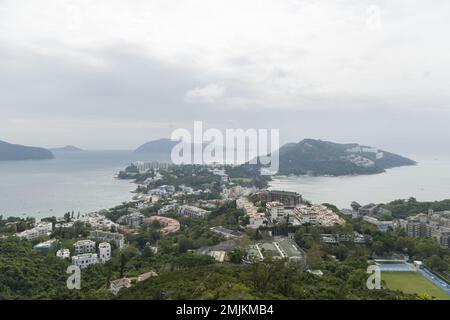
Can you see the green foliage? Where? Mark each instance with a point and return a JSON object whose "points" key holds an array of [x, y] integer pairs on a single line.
{"points": [[406, 207]]}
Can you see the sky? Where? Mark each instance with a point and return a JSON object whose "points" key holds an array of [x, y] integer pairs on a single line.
{"points": [[114, 74]]}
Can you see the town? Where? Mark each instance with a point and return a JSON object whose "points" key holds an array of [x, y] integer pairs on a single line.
{"points": [[195, 215]]}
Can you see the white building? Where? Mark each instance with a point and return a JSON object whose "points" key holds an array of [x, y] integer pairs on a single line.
{"points": [[85, 260], [84, 246], [275, 209], [147, 275], [317, 214], [41, 229], [104, 250], [134, 219], [192, 212], [64, 225], [63, 253]]}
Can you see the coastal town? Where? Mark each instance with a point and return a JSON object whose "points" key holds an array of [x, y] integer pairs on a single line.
{"points": [[207, 211]]}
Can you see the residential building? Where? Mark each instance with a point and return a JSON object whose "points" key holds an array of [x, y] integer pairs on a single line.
{"points": [[134, 219], [146, 276], [63, 253], [98, 220], [119, 284], [368, 210], [316, 214], [192, 212], [42, 229], [416, 228], [169, 225], [117, 238], [275, 209], [85, 260], [104, 251], [381, 225], [84, 246], [287, 198], [256, 219]]}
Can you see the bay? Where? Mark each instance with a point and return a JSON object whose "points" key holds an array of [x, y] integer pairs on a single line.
{"points": [[429, 180]]}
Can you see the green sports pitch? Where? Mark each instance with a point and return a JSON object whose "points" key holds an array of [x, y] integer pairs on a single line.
{"points": [[412, 282]]}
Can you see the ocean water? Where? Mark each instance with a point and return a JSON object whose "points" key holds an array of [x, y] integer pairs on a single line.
{"points": [[427, 181], [80, 181], [85, 181]]}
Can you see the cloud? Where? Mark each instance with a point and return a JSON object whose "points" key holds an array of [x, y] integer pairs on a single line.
{"points": [[132, 71], [207, 94]]}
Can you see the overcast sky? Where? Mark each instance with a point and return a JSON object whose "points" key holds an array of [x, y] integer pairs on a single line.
{"points": [[114, 74]]}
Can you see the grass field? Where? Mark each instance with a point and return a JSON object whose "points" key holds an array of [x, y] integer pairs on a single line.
{"points": [[412, 282]]}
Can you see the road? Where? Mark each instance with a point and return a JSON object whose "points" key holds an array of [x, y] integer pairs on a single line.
{"points": [[437, 281]]}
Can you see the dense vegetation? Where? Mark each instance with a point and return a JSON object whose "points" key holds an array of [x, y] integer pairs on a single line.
{"points": [[405, 208], [316, 157]]}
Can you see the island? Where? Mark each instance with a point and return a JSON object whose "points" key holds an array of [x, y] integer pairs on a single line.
{"points": [[325, 158], [10, 152], [67, 148]]}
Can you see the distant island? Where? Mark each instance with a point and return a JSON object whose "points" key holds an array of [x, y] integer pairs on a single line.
{"points": [[10, 152], [163, 146], [317, 157], [68, 148]]}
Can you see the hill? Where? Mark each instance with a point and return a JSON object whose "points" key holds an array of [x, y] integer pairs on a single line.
{"points": [[10, 151], [317, 157], [163, 146], [66, 149]]}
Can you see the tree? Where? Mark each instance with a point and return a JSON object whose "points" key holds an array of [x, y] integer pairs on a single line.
{"points": [[236, 256]]}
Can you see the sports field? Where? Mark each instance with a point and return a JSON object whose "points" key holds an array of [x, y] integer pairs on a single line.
{"points": [[412, 282]]}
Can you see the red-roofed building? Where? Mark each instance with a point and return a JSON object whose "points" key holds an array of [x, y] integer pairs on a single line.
{"points": [[119, 284]]}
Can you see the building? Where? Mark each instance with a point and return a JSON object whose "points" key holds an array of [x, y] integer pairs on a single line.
{"points": [[119, 284], [316, 214], [64, 225], [63, 253], [146, 276], [47, 246], [84, 246], [275, 209], [227, 233], [192, 212], [368, 210], [256, 219], [98, 220], [169, 225], [134, 219], [104, 252], [287, 198], [42, 229], [117, 238], [219, 256], [85, 260], [418, 229], [280, 248], [381, 225]]}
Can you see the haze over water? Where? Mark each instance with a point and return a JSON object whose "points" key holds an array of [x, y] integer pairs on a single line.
{"points": [[79, 181], [427, 181]]}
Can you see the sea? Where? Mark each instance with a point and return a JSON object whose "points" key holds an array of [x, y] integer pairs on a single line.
{"points": [[85, 182], [429, 180], [73, 181]]}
